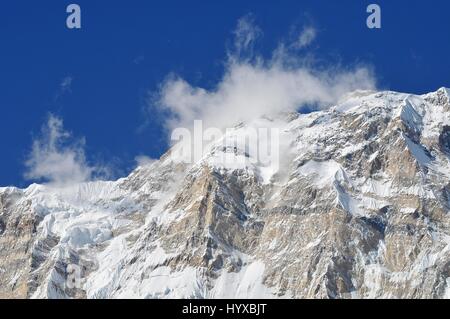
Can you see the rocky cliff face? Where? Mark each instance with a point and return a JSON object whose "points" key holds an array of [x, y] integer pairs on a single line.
{"points": [[360, 208]]}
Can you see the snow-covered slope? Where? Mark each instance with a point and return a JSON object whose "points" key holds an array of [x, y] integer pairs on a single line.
{"points": [[358, 207]]}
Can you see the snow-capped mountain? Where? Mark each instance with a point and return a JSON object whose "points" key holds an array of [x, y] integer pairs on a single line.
{"points": [[360, 208]]}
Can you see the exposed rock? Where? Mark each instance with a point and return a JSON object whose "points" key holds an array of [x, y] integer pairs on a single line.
{"points": [[360, 208]]}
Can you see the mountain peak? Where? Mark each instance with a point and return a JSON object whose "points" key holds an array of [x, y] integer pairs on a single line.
{"points": [[358, 198]]}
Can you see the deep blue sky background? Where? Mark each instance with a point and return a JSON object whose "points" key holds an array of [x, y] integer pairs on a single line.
{"points": [[126, 48]]}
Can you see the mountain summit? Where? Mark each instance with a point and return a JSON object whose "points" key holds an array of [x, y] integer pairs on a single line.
{"points": [[359, 207]]}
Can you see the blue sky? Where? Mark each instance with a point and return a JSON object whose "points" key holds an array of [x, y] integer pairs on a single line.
{"points": [[98, 79]]}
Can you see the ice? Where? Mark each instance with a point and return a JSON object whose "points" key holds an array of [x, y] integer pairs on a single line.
{"points": [[247, 283], [418, 152], [323, 174]]}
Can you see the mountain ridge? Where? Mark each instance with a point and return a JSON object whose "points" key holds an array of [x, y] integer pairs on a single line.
{"points": [[358, 209]]}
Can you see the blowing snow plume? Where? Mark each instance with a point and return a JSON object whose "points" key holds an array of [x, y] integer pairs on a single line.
{"points": [[54, 159], [252, 86]]}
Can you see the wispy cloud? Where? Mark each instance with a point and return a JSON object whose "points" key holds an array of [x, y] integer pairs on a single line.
{"points": [[56, 157], [143, 160], [245, 36], [65, 86], [305, 38], [253, 87]]}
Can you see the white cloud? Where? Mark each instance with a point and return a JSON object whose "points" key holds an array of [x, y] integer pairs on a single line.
{"points": [[66, 84], [143, 160], [306, 37], [251, 88], [245, 35], [55, 159]]}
